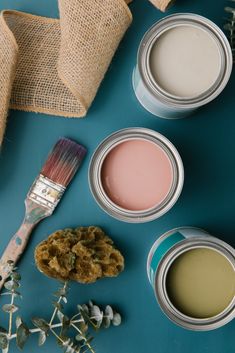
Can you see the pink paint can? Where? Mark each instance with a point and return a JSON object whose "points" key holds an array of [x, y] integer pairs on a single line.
{"points": [[136, 175]]}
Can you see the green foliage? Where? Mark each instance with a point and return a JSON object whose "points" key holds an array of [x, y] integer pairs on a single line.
{"points": [[230, 26], [87, 316], [42, 338], [41, 324], [22, 335], [3, 341], [10, 308]]}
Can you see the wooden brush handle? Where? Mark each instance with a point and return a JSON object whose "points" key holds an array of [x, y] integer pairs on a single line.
{"points": [[14, 250], [18, 242]]}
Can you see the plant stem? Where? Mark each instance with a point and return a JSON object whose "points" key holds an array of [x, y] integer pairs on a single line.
{"points": [[36, 330], [57, 336], [54, 313], [11, 314], [58, 301], [76, 315], [84, 337]]}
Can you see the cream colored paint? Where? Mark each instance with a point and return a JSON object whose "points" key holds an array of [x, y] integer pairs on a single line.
{"points": [[185, 61]]}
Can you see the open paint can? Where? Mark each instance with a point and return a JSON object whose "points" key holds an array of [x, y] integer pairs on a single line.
{"points": [[136, 175], [193, 277], [184, 61]]}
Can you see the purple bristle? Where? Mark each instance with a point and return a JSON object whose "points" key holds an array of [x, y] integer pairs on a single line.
{"points": [[63, 161]]}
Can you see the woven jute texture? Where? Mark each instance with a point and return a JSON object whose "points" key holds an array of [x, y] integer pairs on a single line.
{"points": [[55, 66], [161, 4]]}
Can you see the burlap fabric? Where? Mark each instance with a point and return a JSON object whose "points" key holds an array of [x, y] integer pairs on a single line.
{"points": [[161, 4], [56, 66]]}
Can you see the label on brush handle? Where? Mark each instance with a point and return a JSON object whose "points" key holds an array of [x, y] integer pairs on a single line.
{"points": [[46, 193]]}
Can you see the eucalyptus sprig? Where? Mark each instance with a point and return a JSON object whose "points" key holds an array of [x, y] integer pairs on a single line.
{"points": [[230, 25], [72, 333]]}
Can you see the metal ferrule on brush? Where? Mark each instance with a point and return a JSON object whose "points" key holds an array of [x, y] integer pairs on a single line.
{"points": [[46, 193]]}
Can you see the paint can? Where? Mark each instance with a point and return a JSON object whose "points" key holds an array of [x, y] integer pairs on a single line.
{"points": [[108, 145], [169, 247], [155, 98]]}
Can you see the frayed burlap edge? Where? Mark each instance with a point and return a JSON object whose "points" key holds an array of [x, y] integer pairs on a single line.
{"points": [[162, 5], [83, 107]]}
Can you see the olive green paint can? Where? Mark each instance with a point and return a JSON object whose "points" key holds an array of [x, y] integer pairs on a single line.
{"points": [[193, 277]]}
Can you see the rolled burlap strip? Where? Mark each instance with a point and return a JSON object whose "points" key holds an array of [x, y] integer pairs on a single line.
{"points": [[56, 66], [161, 4]]}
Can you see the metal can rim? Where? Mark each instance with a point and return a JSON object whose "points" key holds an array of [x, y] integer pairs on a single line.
{"points": [[166, 23], [160, 285], [164, 236], [94, 175]]}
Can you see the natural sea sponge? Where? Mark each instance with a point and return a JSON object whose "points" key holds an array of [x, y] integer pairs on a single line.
{"points": [[83, 254]]}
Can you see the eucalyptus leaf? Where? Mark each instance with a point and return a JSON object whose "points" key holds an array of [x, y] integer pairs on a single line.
{"points": [[58, 306], [42, 338], [90, 339], [12, 294], [22, 335], [6, 350], [109, 312], [79, 338], [99, 324], [229, 26], [3, 341], [64, 328], [106, 322], [10, 308], [66, 340], [16, 276], [62, 292], [88, 315], [40, 323], [80, 307], [11, 285], [83, 327], [96, 313], [56, 294], [117, 319], [65, 300], [90, 303], [18, 321], [87, 319], [65, 323], [70, 348], [77, 349], [6, 293], [60, 315], [229, 9], [85, 308]]}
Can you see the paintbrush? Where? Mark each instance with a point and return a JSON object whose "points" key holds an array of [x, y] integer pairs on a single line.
{"points": [[43, 197]]}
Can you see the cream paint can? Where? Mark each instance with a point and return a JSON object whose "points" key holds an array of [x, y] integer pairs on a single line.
{"points": [[204, 267], [136, 175], [184, 61]]}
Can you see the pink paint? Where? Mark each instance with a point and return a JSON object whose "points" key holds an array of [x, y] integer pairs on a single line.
{"points": [[137, 175]]}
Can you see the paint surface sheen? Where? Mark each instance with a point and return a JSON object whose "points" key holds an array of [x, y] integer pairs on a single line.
{"points": [[201, 283], [137, 175], [185, 61]]}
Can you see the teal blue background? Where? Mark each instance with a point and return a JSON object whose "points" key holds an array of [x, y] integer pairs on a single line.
{"points": [[207, 146]]}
